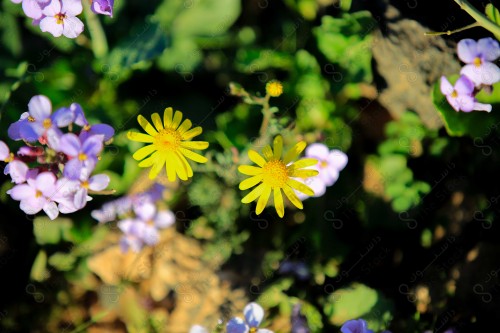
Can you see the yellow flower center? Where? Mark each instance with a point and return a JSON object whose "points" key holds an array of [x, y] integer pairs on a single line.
{"points": [[323, 164], [275, 174], [31, 119], [85, 184], [167, 140], [60, 18], [82, 157], [454, 94], [38, 194], [477, 61], [9, 158], [47, 123], [253, 330], [86, 128]]}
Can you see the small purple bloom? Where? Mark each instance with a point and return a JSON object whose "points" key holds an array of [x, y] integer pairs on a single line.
{"points": [[461, 96], [87, 129], [253, 317], [479, 57], [330, 163], [152, 220], [19, 172], [33, 8], [37, 194], [355, 326], [60, 18], [132, 235], [5, 154], [104, 7], [83, 156], [39, 123]]}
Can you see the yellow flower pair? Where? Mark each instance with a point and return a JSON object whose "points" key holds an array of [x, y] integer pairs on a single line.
{"points": [[170, 144]]}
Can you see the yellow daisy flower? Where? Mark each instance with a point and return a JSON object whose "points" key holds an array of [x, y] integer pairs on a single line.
{"points": [[274, 174], [170, 144]]}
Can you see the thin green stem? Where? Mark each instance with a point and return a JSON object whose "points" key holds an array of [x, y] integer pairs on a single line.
{"points": [[479, 17], [98, 37], [92, 321], [267, 117], [449, 32]]}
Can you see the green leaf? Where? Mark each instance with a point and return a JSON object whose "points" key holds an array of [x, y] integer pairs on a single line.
{"points": [[346, 41], [62, 261], [314, 318], [52, 232], [358, 301], [38, 270], [475, 123], [493, 14]]}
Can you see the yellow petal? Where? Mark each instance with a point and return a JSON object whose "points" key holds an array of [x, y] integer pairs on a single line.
{"points": [[267, 152], [304, 162], [149, 161], [250, 182], [304, 173], [139, 137], [193, 156], [254, 194], [294, 199], [177, 120], [143, 152], [180, 169], [155, 117], [278, 147], [278, 202], [199, 145], [300, 187], [188, 168], [294, 152], [167, 117], [155, 170], [264, 198], [170, 169], [249, 170], [186, 125], [256, 158], [146, 125], [192, 133]]}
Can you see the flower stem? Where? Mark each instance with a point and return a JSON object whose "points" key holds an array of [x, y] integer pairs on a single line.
{"points": [[449, 32], [98, 37], [479, 17], [267, 116]]}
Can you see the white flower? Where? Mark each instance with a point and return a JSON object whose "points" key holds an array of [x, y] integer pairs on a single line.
{"points": [[253, 317]]}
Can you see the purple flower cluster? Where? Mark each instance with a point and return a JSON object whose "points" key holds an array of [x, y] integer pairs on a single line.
{"points": [[479, 72], [59, 17], [53, 171], [357, 326], [330, 163], [139, 218]]}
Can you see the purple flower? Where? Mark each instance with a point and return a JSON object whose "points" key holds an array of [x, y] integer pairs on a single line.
{"points": [[39, 122], [152, 220], [87, 129], [19, 171], [479, 57], [33, 8], [5, 154], [104, 7], [37, 194], [253, 317], [83, 156], [330, 162], [60, 18], [75, 195], [355, 326], [461, 96], [132, 235]]}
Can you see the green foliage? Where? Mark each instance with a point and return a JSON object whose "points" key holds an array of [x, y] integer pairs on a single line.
{"points": [[52, 232], [359, 301], [346, 41], [493, 14]]}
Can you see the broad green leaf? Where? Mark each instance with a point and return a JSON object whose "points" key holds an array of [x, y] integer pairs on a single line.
{"points": [[39, 268], [51, 232], [358, 301], [62, 261]]}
